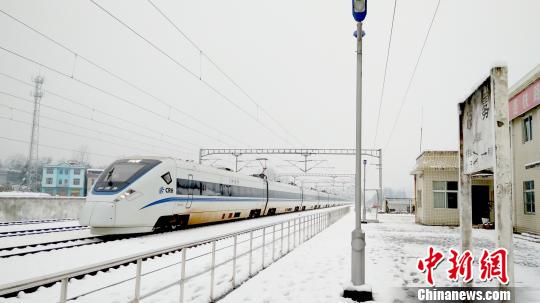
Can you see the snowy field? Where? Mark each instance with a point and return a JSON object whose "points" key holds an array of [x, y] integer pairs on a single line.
{"points": [[320, 269]]}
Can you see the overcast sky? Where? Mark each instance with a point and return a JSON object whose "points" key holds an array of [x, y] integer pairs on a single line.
{"points": [[296, 59]]}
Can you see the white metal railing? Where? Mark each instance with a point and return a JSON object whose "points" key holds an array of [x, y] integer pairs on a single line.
{"points": [[297, 229]]}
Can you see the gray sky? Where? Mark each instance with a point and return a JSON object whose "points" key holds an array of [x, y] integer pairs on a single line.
{"points": [[295, 58]]}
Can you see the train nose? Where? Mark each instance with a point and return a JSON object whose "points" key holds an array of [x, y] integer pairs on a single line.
{"points": [[98, 214]]}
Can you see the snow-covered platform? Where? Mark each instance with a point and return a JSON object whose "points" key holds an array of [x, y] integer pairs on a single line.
{"points": [[319, 270]]}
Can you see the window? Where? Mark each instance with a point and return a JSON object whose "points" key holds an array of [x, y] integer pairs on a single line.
{"points": [[48, 181], [418, 198], [445, 194], [66, 171], [528, 197], [527, 129], [60, 181], [50, 170], [77, 171], [60, 171], [76, 181]]}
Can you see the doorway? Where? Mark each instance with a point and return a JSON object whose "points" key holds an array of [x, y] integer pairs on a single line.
{"points": [[480, 203]]}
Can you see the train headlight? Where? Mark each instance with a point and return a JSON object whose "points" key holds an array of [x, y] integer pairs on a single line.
{"points": [[125, 195]]}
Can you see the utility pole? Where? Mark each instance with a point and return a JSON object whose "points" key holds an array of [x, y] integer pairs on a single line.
{"points": [[358, 244], [32, 163]]}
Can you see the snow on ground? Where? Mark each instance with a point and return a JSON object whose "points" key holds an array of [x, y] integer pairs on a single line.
{"points": [[15, 194], [316, 271], [319, 270], [197, 289]]}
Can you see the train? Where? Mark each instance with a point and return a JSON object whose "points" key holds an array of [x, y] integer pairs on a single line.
{"points": [[147, 194]]}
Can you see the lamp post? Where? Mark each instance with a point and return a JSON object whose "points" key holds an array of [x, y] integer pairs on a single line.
{"points": [[358, 243]]}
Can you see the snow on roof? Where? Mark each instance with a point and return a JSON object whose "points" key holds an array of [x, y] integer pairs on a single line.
{"points": [[436, 159], [525, 81]]}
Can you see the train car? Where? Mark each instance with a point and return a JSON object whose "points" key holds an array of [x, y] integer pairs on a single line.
{"points": [[143, 194]]}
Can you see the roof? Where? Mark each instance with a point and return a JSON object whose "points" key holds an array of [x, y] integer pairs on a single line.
{"points": [[525, 81], [436, 160]]}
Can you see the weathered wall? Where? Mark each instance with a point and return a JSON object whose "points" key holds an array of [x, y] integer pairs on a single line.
{"points": [[35, 208]]}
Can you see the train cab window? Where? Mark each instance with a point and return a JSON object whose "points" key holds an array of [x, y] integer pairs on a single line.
{"points": [[122, 173]]}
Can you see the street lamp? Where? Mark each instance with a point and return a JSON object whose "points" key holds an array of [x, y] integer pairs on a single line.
{"points": [[358, 244]]}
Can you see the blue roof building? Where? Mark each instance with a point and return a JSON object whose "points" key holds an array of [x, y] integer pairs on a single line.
{"points": [[64, 179]]}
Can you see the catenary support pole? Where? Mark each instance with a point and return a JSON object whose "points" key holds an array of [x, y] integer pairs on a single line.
{"points": [[358, 237]]}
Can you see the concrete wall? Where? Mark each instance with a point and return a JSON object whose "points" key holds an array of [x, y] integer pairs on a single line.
{"points": [[524, 153], [36, 208]]}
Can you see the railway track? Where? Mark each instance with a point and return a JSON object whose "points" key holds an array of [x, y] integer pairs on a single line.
{"points": [[47, 246], [11, 223], [37, 231]]}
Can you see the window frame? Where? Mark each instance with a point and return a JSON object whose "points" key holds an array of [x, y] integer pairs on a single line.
{"points": [[525, 200], [527, 129], [445, 191]]}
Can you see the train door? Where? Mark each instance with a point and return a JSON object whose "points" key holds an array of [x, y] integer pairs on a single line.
{"points": [[190, 191]]}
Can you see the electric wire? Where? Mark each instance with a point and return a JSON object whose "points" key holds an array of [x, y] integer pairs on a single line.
{"points": [[222, 71], [413, 74], [187, 70], [107, 71], [57, 147], [131, 122], [78, 116], [100, 133], [108, 93], [384, 77]]}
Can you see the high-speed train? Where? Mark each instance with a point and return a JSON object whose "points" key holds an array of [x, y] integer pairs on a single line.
{"points": [[143, 194]]}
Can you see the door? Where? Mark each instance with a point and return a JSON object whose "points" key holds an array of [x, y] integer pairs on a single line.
{"points": [[480, 203], [191, 184]]}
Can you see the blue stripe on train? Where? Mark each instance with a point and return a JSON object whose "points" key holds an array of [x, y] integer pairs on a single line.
{"points": [[199, 199]]}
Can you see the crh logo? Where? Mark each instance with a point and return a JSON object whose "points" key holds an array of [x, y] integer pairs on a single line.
{"points": [[167, 190]]}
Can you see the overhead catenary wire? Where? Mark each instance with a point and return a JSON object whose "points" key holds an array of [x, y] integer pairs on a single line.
{"points": [[222, 71], [404, 99], [77, 55], [191, 73], [97, 110], [92, 86], [384, 77], [57, 147], [78, 116], [100, 133]]}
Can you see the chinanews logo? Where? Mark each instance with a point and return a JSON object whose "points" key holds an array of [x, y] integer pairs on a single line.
{"points": [[161, 190]]}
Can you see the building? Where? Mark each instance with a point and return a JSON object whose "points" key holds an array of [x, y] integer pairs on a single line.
{"points": [[436, 190], [92, 174], [524, 112], [398, 205], [64, 179], [9, 178]]}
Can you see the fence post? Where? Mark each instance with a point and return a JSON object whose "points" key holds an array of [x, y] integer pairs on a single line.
{"points": [[212, 270], [281, 239], [234, 262], [63, 290], [250, 250], [294, 234], [288, 236], [263, 245], [273, 243], [183, 274], [138, 281]]}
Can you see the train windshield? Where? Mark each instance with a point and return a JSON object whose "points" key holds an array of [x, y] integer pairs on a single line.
{"points": [[123, 172]]}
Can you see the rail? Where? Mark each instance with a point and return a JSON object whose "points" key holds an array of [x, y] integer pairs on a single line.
{"points": [[292, 231]]}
